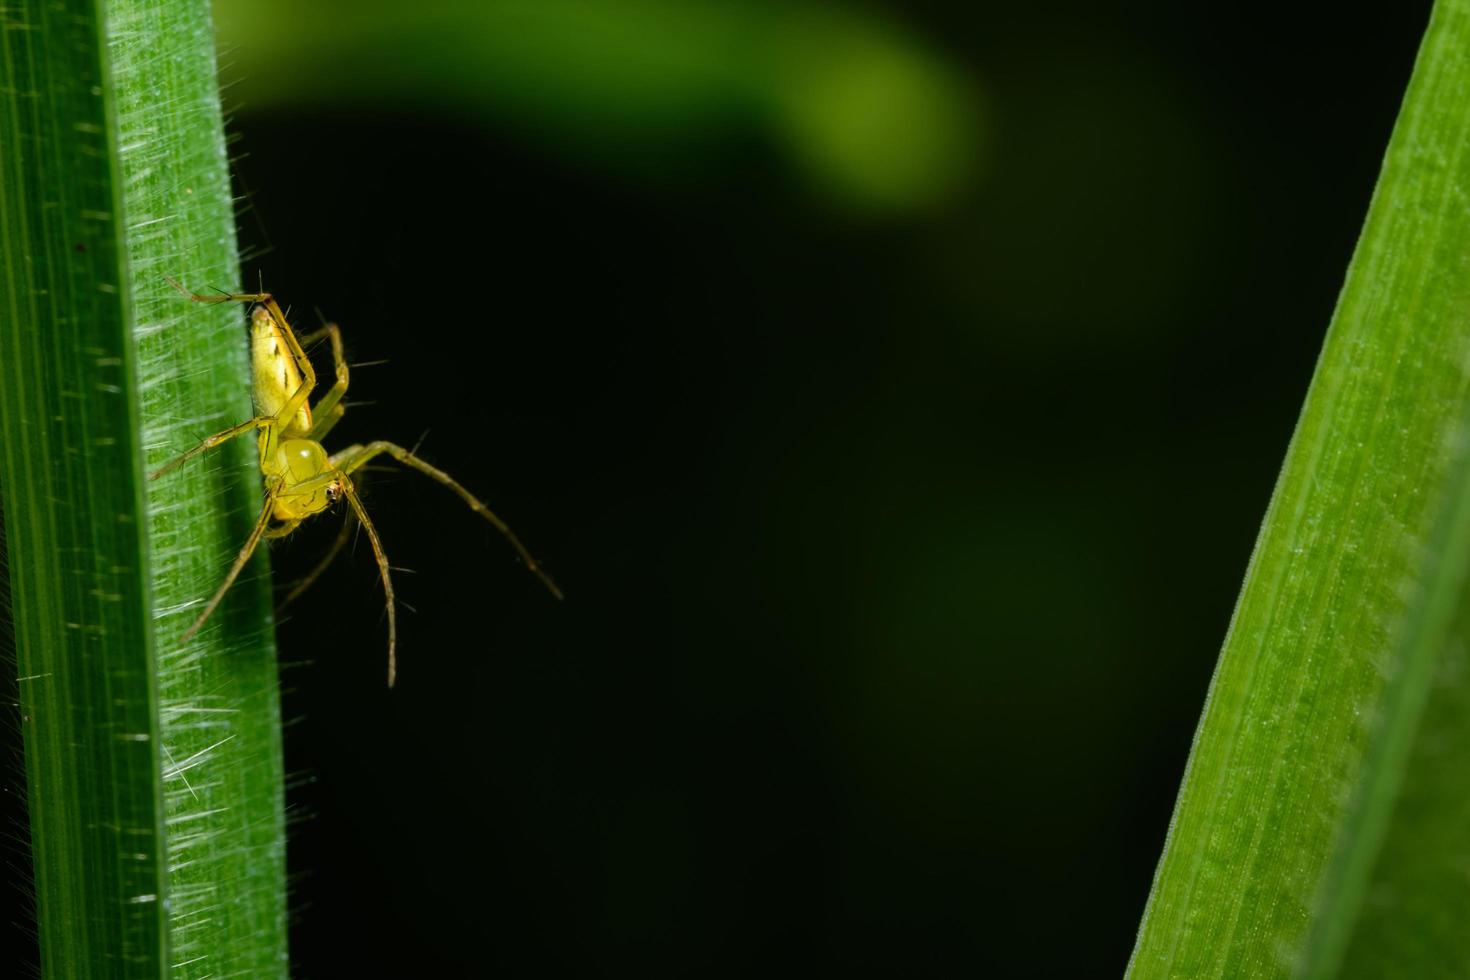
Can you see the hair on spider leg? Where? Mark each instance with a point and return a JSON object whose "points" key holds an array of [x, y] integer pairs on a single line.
{"points": [[382, 613], [313, 342]]}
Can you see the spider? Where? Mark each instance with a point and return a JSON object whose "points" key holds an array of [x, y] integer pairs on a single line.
{"points": [[301, 479]]}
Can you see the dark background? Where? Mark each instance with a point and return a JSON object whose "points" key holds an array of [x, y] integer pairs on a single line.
{"points": [[898, 542], [898, 548]]}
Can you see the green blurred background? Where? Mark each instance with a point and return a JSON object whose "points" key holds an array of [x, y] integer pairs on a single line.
{"points": [[895, 390]]}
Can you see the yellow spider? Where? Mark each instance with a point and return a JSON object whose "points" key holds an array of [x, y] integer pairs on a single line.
{"points": [[300, 478]]}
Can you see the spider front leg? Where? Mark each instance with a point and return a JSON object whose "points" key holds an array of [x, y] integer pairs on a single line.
{"points": [[337, 476], [378, 553], [355, 457], [344, 535]]}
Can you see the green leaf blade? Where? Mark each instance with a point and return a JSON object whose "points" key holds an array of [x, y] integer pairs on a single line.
{"points": [[219, 710]]}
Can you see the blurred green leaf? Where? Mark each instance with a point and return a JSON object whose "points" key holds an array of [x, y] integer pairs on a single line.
{"points": [[870, 114], [1320, 829], [154, 771]]}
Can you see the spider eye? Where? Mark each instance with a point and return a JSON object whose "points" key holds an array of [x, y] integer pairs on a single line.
{"points": [[334, 490]]}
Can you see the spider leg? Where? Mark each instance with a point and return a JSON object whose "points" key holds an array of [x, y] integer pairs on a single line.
{"points": [[349, 524], [281, 530], [328, 411], [212, 441], [354, 457], [372, 533], [245, 552]]}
